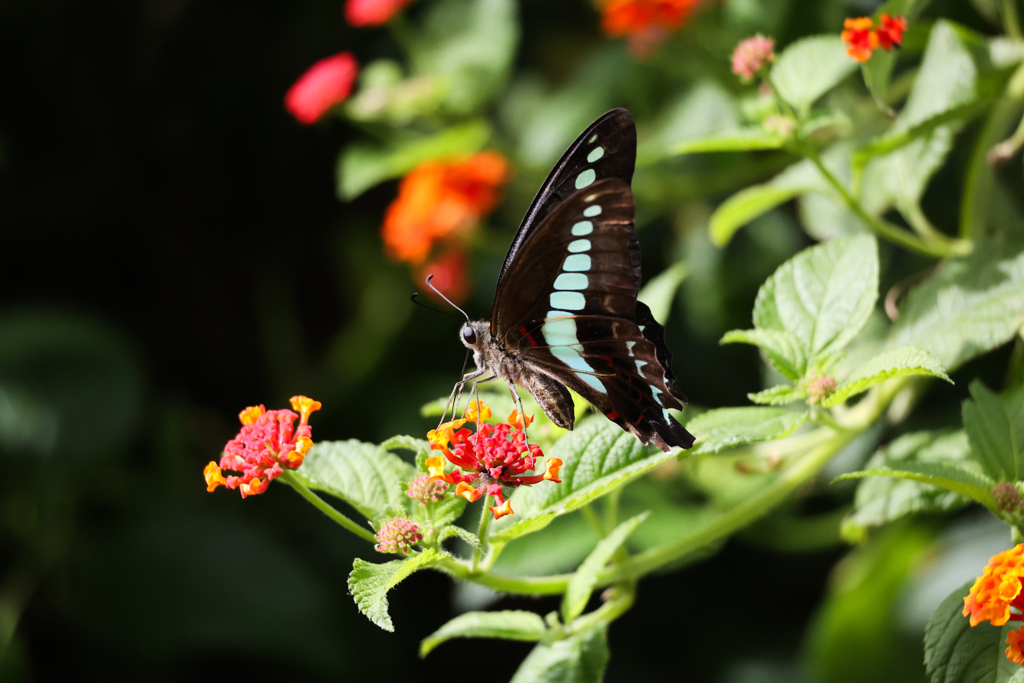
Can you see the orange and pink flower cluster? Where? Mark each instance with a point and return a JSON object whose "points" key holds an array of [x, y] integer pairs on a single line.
{"points": [[489, 459], [996, 591], [267, 444]]}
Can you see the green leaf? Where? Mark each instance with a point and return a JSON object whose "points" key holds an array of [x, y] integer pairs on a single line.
{"points": [[908, 360], [457, 531], [809, 68], [362, 474], [967, 308], [362, 165], [880, 500], [956, 652], [944, 474], [995, 428], [744, 139], [597, 457], [369, 583], [402, 442], [471, 45], [779, 395], [584, 580], [507, 625], [823, 295], [580, 658], [446, 510], [782, 347], [895, 138], [728, 427], [659, 292], [745, 206]]}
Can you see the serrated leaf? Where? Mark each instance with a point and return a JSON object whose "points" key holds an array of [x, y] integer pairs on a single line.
{"points": [[967, 308], [944, 474], [809, 68], [447, 510], [778, 396], [506, 625], [908, 360], [880, 500], [729, 427], [744, 139], [895, 138], [362, 165], [956, 652], [584, 579], [369, 583], [597, 457], [785, 351], [362, 474], [823, 295], [421, 447], [995, 429], [458, 532], [660, 290], [580, 658]]}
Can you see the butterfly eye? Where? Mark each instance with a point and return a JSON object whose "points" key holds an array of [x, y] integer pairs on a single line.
{"points": [[469, 335]]}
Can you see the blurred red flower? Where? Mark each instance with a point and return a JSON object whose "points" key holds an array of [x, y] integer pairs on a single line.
{"points": [[860, 38], [451, 275], [325, 84], [890, 31], [372, 12], [646, 23], [439, 199]]}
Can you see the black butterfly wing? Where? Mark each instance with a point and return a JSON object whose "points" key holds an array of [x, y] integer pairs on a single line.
{"points": [[607, 149], [567, 309]]}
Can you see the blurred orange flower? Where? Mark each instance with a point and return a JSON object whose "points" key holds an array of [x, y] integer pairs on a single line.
{"points": [[451, 275], [861, 36], [372, 12], [325, 84], [646, 23], [995, 592], [439, 199]]}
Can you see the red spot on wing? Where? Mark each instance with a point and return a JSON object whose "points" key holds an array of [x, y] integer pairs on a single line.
{"points": [[612, 415], [529, 337]]}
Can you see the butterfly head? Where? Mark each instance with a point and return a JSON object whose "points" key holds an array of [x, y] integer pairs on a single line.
{"points": [[475, 333]]}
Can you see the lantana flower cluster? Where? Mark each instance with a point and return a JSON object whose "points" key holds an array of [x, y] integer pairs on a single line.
{"points": [[862, 37], [752, 55], [489, 459], [995, 592], [267, 444], [645, 23]]}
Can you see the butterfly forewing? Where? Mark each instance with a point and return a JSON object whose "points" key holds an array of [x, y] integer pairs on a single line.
{"points": [[607, 149]]}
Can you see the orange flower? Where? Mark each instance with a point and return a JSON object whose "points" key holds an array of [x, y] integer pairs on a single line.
{"points": [[890, 31], [647, 23], [439, 199], [478, 411], [444, 432], [860, 38], [995, 592], [518, 422], [372, 12]]}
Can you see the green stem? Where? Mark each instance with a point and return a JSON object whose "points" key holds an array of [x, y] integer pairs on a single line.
{"points": [[611, 508], [304, 491], [522, 585], [591, 517], [481, 532], [735, 518], [621, 601], [786, 106], [1011, 22], [939, 247]]}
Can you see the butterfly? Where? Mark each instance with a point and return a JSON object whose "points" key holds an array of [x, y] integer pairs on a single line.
{"points": [[565, 314]]}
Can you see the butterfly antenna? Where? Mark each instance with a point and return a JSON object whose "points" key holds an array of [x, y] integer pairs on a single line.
{"points": [[450, 302], [429, 308]]}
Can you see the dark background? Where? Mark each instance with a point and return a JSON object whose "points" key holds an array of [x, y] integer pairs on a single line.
{"points": [[174, 252]]}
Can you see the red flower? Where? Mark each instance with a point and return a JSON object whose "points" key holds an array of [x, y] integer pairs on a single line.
{"points": [[492, 458], [752, 55], [860, 38], [647, 23], [372, 12], [890, 31], [995, 592], [267, 445], [438, 199], [325, 84], [451, 275]]}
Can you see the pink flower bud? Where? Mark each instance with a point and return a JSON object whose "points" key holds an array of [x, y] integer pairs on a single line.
{"points": [[751, 55], [398, 536]]}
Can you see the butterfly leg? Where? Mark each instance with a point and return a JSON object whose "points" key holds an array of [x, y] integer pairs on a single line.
{"points": [[456, 396], [522, 415]]}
